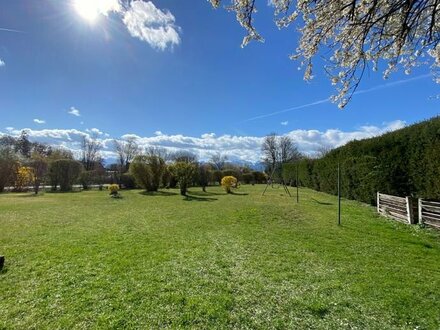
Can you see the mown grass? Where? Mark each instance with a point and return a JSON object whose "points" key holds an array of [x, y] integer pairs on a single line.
{"points": [[84, 260]]}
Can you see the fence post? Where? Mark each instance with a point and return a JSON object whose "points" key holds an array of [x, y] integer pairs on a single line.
{"points": [[420, 211], [409, 210], [378, 202]]}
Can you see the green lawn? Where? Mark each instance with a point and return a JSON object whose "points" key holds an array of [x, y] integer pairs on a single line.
{"points": [[84, 260]]}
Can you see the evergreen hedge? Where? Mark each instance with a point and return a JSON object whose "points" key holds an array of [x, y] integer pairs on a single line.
{"points": [[405, 162]]}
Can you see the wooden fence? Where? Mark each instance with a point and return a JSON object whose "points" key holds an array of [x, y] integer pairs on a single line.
{"points": [[402, 209], [429, 213]]}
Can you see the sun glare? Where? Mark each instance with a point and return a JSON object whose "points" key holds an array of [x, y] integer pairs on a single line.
{"points": [[91, 9], [87, 9]]}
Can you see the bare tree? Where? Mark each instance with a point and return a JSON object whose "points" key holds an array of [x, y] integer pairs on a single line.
{"points": [[278, 150], [356, 34], [288, 150], [219, 160], [269, 149], [159, 152], [126, 150], [184, 157], [90, 156]]}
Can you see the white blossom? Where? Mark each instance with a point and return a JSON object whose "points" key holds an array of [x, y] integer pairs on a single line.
{"points": [[358, 34]]}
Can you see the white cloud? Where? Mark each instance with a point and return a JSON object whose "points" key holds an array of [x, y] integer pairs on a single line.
{"points": [[152, 25], [95, 131], [237, 148], [74, 112], [39, 121], [208, 135], [9, 129], [2, 63], [158, 133], [284, 123]]}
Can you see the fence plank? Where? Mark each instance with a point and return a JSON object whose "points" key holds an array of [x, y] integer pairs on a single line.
{"points": [[397, 208], [429, 213], [431, 202], [390, 197]]}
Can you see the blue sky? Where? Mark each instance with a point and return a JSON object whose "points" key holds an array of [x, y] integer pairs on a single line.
{"points": [[200, 90]]}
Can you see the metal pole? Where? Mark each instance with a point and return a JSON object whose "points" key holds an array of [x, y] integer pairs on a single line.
{"points": [[297, 184], [339, 194]]}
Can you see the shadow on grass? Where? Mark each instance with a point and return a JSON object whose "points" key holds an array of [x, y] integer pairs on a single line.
{"points": [[189, 198], [238, 194], [158, 193], [28, 195], [321, 203], [63, 192], [205, 193]]}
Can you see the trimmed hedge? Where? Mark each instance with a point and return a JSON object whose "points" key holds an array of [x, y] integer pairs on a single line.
{"points": [[405, 162]]}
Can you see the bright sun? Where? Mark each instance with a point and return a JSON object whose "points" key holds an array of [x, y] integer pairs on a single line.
{"points": [[88, 9], [91, 9]]}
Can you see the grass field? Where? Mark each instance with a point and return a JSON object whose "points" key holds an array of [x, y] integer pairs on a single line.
{"points": [[84, 260]]}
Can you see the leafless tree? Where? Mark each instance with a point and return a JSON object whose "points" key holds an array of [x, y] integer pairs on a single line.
{"points": [[269, 149], [126, 150], [288, 150], [184, 157], [159, 152], [90, 156], [278, 150], [218, 160]]}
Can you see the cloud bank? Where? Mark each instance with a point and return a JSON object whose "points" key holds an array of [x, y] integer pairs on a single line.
{"points": [[237, 148]]}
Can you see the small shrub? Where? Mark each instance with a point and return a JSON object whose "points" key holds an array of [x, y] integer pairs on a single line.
{"points": [[114, 190], [229, 182], [184, 174]]}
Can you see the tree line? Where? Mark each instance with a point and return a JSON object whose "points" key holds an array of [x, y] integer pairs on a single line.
{"points": [[405, 162], [24, 163]]}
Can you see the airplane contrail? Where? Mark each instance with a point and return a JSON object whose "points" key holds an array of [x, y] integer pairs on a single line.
{"points": [[10, 30], [327, 100], [289, 109]]}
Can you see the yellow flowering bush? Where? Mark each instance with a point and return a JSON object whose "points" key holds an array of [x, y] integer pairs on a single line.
{"points": [[113, 188], [25, 177], [229, 182]]}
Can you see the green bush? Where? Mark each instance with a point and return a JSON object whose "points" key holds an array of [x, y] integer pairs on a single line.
{"points": [[64, 172], [148, 171], [184, 173]]}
